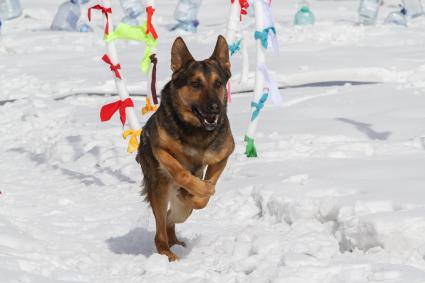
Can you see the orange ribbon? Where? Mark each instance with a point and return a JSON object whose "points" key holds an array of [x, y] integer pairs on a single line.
{"points": [[149, 107]]}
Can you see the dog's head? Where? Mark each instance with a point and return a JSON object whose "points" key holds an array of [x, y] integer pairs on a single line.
{"points": [[200, 86]]}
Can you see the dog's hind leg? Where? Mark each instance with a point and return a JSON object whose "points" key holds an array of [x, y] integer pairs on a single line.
{"points": [[159, 203], [178, 213]]}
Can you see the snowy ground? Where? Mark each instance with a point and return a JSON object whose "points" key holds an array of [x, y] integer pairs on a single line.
{"points": [[336, 195]]}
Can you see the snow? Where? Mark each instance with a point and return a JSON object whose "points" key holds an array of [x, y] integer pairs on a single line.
{"points": [[336, 194]]}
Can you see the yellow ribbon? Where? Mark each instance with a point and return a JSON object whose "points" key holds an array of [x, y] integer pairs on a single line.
{"points": [[133, 143], [149, 107]]}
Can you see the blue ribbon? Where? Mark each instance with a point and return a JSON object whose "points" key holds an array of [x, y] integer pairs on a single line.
{"points": [[235, 47], [258, 106], [264, 35]]}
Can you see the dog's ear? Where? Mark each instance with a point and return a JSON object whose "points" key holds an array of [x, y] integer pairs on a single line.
{"points": [[180, 55], [221, 55]]}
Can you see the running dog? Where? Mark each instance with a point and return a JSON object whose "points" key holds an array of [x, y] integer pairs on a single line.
{"points": [[185, 145]]}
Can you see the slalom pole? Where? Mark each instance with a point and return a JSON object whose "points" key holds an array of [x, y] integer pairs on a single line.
{"points": [[265, 86], [233, 25], [245, 59], [251, 150], [125, 105], [151, 98]]}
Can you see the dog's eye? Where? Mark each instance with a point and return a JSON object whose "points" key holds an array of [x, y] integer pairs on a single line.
{"points": [[196, 84], [217, 84]]}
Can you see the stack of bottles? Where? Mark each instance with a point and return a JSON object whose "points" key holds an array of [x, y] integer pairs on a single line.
{"points": [[186, 15], [133, 9], [68, 17], [10, 9]]}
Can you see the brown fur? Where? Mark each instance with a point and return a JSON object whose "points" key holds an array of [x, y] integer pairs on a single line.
{"points": [[185, 145]]}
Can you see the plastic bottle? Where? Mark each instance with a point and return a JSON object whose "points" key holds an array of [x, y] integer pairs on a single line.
{"points": [[413, 8], [368, 11], [304, 16], [185, 14], [83, 24], [132, 10], [68, 15], [10, 9], [397, 18], [0, 25]]}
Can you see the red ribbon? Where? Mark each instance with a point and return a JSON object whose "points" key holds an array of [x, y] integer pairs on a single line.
{"points": [[244, 6], [114, 68], [109, 110], [149, 27], [105, 11]]}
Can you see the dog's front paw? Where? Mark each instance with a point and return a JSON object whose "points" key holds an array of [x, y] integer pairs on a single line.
{"points": [[201, 189]]}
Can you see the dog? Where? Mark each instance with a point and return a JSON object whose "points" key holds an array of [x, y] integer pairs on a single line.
{"points": [[185, 144]]}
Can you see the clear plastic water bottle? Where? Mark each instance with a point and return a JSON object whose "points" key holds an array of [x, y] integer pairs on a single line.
{"points": [[83, 24], [10, 9], [304, 16], [185, 15], [84, 27], [397, 18], [132, 10], [67, 16], [414, 8], [130, 21], [368, 11]]}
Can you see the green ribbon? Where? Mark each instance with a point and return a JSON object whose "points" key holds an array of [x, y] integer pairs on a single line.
{"points": [[250, 150], [136, 33]]}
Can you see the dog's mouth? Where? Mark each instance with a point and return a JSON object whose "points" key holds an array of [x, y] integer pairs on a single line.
{"points": [[208, 120]]}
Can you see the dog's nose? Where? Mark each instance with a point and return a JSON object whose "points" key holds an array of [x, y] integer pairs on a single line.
{"points": [[213, 107]]}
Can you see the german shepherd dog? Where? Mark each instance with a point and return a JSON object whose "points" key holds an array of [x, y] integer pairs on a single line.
{"points": [[185, 145]]}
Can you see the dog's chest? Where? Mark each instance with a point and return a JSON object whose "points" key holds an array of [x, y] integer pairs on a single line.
{"points": [[194, 157], [194, 154]]}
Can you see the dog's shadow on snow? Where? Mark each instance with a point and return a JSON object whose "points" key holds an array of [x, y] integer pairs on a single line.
{"points": [[140, 241]]}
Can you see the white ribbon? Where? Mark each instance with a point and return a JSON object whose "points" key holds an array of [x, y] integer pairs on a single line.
{"points": [[271, 85]]}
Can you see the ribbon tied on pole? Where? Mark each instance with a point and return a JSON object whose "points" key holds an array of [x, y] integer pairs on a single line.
{"points": [[244, 4], [258, 106], [114, 68], [127, 32], [263, 36], [109, 110], [133, 143], [235, 47], [105, 11], [150, 29]]}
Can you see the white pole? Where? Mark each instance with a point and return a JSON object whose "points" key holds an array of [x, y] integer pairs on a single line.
{"points": [[120, 83], [151, 3], [234, 22], [259, 80], [245, 59]]}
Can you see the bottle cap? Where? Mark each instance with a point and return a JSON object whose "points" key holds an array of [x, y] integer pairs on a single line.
{"points": [[305, 9]]}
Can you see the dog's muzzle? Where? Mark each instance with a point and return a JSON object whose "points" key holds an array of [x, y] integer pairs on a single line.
{"points": [[208, 120]]}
